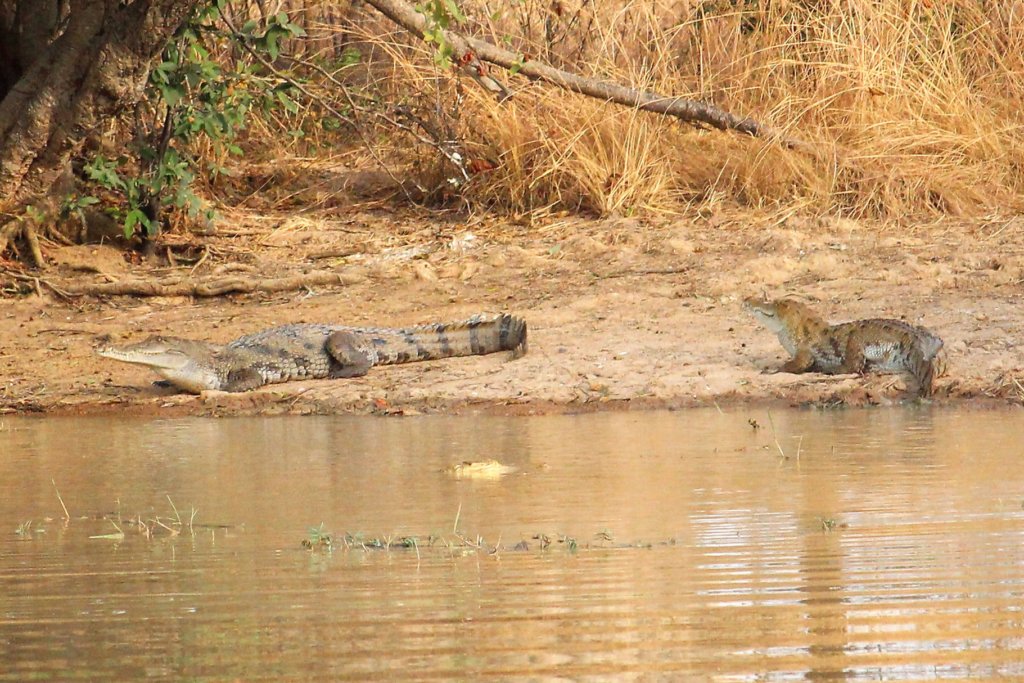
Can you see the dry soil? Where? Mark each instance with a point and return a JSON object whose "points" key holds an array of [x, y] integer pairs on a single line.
{"points": [[622, 313]]}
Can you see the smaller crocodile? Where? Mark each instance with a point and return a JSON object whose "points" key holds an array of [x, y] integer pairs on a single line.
{"points": [[315, 351], [858, 346]]}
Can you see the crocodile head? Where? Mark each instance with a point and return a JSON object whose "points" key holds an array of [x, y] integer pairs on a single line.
{"points": [[771, 314], [187, 364], [792, 321]]}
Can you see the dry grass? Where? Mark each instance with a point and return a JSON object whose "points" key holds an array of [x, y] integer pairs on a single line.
{"points": [[915, 105]]}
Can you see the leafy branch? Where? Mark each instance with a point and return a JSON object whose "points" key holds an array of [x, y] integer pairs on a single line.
{"points": [[190, 97]]}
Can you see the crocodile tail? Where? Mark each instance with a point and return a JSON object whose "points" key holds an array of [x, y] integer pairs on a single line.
{"points": [[927, 362], [925, 366], [471, 337], [924, 373]]}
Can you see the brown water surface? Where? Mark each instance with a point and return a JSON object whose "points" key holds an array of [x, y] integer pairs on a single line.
{"points": [[883, 545]]}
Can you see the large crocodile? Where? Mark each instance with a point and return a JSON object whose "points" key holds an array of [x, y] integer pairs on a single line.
{"points": [[315, 351], [852, 347]]}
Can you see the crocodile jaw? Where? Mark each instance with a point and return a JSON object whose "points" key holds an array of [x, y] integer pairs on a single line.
{"points": [[769, 314], [765, 313], [176, 366], [158, 359]]}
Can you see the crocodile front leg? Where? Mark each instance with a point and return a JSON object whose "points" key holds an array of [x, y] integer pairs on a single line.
{"points": [[800, 363], [243, 380]]}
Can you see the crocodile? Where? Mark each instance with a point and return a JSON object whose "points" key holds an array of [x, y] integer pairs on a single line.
{"points": [[315, 351], [857, 347]]}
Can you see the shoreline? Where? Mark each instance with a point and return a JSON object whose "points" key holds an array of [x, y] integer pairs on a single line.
{"points": [[622, 314]]}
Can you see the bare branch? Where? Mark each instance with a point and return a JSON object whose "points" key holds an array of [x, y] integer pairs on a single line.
{"points": [[187, 286], [470, 50]]}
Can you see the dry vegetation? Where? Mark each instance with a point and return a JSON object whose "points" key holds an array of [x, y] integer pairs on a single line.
{"points": [[908, 211], [913, 104]]}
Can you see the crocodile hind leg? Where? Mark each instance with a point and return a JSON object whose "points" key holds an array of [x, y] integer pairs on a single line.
{"points": [[351, 352], [854, 362]]}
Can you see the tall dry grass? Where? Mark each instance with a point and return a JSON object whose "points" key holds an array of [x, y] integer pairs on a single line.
{"points": [[914, 104]]}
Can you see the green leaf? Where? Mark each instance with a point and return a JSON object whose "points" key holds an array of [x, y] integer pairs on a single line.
{"points": [[134, 218], [443, 56], [172, 94], [104, 172], [287, 102], [454, 11], [272, 48], [131, 220], [295, 30]]}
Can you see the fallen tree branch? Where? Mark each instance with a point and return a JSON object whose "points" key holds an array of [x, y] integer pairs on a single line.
{"points": [[447, 153], [216, 286], [642, 271], [469, 51]]}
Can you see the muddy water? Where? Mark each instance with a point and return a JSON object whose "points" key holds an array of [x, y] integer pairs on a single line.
{"points": [[860, 545]]}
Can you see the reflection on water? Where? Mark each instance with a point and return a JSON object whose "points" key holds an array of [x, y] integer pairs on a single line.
{"points": [[862, 545]]}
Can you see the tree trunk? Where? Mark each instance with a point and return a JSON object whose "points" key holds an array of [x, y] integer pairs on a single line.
{"points": [[67, 67]]}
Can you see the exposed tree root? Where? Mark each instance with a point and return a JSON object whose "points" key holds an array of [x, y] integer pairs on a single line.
{"points": [[25, 229], [470, 51], [8, 234], [215, 286]]}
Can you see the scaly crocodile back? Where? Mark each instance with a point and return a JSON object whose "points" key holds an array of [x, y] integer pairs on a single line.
{"points": [[306, 350], [889, 346], [317, 351]]}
